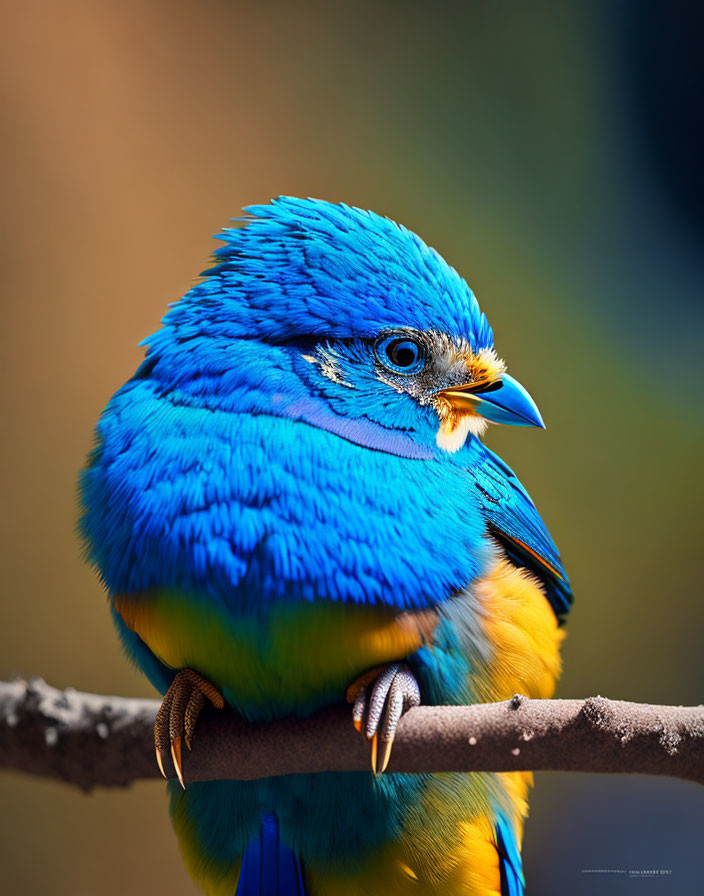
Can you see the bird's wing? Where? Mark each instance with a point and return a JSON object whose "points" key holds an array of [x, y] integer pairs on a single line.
{"points": [[514, 522]]}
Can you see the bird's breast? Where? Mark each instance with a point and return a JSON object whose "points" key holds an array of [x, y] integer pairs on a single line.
{"points": [[294, 658]]}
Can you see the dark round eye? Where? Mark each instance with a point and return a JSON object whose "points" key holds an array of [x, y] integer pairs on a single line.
{"points": [[401, 354]]}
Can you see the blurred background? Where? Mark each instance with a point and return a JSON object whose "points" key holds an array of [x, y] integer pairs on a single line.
{"points": [[551, 151]]}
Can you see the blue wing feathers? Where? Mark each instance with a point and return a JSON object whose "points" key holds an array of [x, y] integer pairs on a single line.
{"points": [[514, 521]]}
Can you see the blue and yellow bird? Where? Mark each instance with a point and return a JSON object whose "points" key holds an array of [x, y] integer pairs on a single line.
{"points": [[289, 504]]}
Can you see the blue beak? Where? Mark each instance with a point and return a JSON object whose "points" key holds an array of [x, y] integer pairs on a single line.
{"points": [[506, 402]]}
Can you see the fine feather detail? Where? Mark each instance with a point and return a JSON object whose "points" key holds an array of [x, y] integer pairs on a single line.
{"points": [[454, 429]]}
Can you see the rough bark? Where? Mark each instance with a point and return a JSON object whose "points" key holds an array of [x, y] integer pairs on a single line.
{"points": [[90, 740]]}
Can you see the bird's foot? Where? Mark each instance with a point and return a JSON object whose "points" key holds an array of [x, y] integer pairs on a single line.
{"points": [[178, 714], [380, 697]]}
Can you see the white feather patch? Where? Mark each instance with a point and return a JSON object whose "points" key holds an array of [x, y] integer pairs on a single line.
{"points": [[453, 433]]}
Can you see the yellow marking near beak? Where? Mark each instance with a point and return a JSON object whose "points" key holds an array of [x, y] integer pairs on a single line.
{"points": [[461, 398], [457, 421], [482, 369]]}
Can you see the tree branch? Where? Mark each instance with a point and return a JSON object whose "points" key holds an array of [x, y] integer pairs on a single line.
{"points": [[90, 740]]}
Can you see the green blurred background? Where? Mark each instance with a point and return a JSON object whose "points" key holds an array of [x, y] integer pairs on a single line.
{"points": [[551, 151]]}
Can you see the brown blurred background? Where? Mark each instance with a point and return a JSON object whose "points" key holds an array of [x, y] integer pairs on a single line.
{"points": [[552, 152]]}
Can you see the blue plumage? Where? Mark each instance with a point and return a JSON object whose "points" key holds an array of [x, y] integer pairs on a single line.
{"points": [[291, 490], [258, 501], [514, 520], [269, 867], [303, 268]]}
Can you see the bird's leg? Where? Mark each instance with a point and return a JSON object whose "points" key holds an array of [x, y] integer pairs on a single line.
{"points": [[178, 714], [380, 697]]}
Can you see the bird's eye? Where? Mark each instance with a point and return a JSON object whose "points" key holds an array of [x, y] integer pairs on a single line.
{"points": [[401, 354]]}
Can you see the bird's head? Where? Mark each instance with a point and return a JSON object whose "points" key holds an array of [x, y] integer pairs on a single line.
{"points": [[319, 306]]}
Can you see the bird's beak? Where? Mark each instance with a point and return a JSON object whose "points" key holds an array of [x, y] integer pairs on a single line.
{"points": [[503, 402]]}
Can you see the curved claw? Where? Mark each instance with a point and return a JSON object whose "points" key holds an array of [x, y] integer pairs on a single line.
{"points": [[381, 697], [176, 759], [160, 762], [385, 756], [177, 717]]}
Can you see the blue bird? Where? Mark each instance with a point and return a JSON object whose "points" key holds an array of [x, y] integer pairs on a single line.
{"points": [[289, 503]]}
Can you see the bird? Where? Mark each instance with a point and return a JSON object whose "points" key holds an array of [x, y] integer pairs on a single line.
{"points": [[290, 505]]}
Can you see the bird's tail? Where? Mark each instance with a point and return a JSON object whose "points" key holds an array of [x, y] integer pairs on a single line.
{"points": [[269, 867]]}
